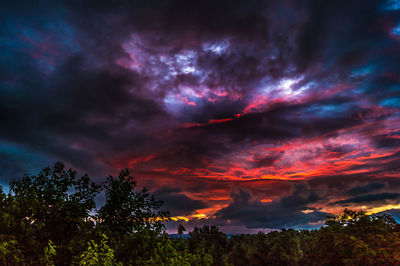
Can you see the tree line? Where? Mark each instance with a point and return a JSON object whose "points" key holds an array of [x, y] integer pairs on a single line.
{"points": [[51, 219]]}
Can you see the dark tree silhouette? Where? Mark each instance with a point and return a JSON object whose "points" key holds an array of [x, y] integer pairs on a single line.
{"points": [[127, 210], [50, 219]]}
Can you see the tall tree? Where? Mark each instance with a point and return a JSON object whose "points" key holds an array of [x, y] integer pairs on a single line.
{"points": [[53, 205], [127, 210]]}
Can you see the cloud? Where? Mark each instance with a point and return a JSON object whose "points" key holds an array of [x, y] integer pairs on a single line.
{"points": [[370, 187], [80, 111], [369, 198], [177, 202], [287, 211], [199, 97]]}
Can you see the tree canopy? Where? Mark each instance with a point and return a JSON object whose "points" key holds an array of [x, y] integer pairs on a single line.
{"points": [[51, 219]]}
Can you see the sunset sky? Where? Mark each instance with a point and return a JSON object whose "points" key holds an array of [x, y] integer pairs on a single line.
{"points": [[250, 115]]}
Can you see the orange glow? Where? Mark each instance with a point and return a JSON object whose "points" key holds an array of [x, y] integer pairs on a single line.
{"points": [[266, 200], [297, 160]]}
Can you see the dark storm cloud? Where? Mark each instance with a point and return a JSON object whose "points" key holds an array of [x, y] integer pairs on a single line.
{"points": [[267, 161], [387, 141], [78, 105], [306, 33], [280, 122], [379, 197], [103, 85], [331, 24], [281, 213], [332, 187], [371, 187], [209, 110], [177, 16], [177, 202]]}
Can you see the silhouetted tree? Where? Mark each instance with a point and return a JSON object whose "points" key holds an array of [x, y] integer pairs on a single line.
{"points": [[211, 239], [127, 210], [50, 219], [53, 205], [181, 229]]}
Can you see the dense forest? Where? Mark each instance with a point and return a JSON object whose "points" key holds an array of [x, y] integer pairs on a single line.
{"points": [[51, 219]]}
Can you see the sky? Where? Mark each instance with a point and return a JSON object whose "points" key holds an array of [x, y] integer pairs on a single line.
{"points": [[250, 115]]}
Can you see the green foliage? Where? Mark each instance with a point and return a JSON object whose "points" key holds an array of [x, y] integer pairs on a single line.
{"points": [[276, 248], [168, 253], [49, 254], [98, 254], [53, 211], [355, 238], [10, 254], [54, 204], [211, 240], [284, 248]]}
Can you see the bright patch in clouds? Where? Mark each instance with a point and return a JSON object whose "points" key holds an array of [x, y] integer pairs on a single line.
{"points": [[287, 86], [217, 48], [396, 31], [393, 5]]}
